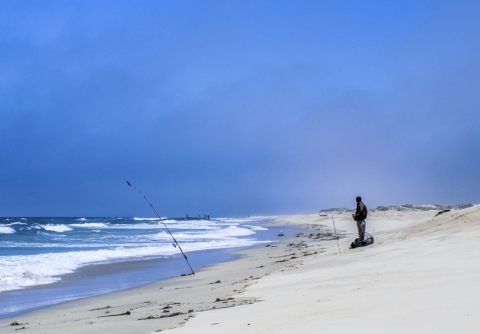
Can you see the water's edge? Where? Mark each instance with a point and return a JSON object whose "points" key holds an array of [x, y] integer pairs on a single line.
{"points": [[93, 280]]}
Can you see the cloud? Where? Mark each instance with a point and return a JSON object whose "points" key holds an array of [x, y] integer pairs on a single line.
{"points": [[237, 108]]}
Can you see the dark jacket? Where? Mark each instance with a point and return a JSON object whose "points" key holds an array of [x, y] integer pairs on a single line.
{"points": [[361, 212]]}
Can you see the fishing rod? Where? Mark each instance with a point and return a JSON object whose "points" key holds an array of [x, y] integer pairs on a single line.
{"points": [[335, 229], [175, 242]]}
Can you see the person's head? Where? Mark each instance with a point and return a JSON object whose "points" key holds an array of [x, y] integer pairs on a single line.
{"points": [[359, 199]]}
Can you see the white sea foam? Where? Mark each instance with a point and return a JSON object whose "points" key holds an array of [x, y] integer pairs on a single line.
{"points": [[256, 228], [119, 226], [15, 223], [138, 226], [229, 232], [19, 271], [6, 230], [56, 228], [22, 271], [225, 243], [79, 245], [136, 218], [89, 225], [171, 221], [146, 226], [193, 227]]}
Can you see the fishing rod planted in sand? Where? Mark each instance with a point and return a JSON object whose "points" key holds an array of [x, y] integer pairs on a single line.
{"points": [[175, 242]]}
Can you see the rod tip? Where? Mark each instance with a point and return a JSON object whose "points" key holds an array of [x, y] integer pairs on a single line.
{"points": [[129, 183]]}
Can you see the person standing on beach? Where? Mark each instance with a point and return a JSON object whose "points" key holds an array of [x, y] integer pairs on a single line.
{"points": [[359, 216]]}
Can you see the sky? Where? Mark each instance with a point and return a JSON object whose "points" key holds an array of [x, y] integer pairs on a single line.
{"points": [[236, 108]]}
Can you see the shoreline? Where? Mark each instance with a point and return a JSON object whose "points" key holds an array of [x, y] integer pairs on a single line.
{"points": [[176, 292], [303, 283], [99, 279]]}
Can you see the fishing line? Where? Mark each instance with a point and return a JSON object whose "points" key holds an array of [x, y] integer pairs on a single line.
{"points": [[175, 243], [335, 229]]}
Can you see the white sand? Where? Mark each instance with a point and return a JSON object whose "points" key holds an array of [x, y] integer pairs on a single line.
{"points": [[420, 279], [420, 276]]}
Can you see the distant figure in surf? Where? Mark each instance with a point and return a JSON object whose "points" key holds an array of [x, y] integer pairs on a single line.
{"points": [[359, 216]]}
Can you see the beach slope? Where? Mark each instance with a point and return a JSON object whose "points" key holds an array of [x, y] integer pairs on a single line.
{"points": [[422, 278]]}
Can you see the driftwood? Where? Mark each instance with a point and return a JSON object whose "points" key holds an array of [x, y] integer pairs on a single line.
{"points": [[114, 315], [101, 308], [440, 212], [165, 316]]}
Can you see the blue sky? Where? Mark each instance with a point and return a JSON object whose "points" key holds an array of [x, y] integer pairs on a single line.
{"points": [[234, 108]]}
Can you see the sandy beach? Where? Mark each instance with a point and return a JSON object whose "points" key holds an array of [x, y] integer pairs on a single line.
{"points": [[193, 167], [420, 276]]}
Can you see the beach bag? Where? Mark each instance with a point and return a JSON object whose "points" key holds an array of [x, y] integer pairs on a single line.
{"points": [[369, 240]]}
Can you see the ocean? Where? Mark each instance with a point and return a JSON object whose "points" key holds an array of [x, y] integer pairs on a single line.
{"points": [[46, 261]]}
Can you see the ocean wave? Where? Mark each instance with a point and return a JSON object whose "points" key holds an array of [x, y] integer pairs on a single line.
{"points": [[89, 225], [6, 230], [256, 228], [136, 226], [15, 223], [132, 244], [146, 226], [231, 232], [23, 271], [225, 243], [106, 240], [193, 227], [56, 228]]}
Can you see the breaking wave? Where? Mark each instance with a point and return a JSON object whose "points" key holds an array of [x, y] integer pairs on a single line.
{"points": [[6, 230], [56, 228]]}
